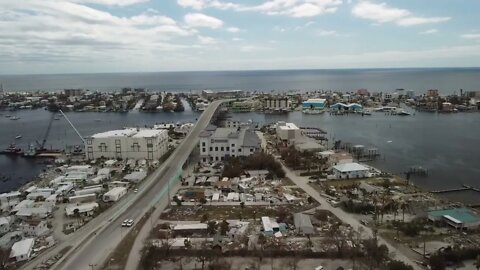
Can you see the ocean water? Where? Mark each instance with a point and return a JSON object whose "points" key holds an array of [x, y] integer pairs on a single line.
{"points": [[446, 80]]}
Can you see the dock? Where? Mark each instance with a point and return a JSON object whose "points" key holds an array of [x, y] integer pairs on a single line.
{"points": [[463, 188]]}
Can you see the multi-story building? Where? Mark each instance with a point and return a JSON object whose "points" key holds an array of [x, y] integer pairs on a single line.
{"points": [[276, 104], [217, 144], [73, 92], [288, 132], [132, 143]]}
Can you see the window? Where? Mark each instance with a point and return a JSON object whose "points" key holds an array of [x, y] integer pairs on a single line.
{"points": [[216, 158], [233, 150], [211, 148], [117, 141], [239, 150], [204, 150], [203, 143], [135, 147], [221, 148], [251, 150], [221, 158], [233, 145], [89, 141], [228, 148], [102, 147], [216, 148]]}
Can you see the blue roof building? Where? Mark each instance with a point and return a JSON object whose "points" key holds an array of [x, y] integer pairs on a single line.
{"points": [[347, 107], [314, 104], [459, 218]]}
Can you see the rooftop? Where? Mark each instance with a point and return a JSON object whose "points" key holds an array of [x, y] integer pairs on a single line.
{"points": [[350, 167], [116, 133], [149, 133], [287, 126], [195, 226], [464, 215], [316, 100], [22, 247]]}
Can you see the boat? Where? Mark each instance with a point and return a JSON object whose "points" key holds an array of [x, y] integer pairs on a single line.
{"points": [[12, 149], [312, 111], [98, 120], [14, 118], [403, 113], [31, 152], [18, 137], [8, 116]]}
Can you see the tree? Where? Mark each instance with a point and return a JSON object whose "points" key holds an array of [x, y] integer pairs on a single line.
{"points": [[477, 262], [212, 227], [177, 200], [398, 265], [375, 253], [224, 227], [337, 237], [437, 262], [204, 218], [203, 200]]}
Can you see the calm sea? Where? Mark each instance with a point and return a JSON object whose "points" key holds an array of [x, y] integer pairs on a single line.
{"points": [[446, 80]]}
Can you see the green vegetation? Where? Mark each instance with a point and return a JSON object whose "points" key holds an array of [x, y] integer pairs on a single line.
{"points": [[235, 166]]}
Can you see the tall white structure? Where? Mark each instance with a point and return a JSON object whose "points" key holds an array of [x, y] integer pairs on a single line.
{"points": [[276, 104], [216, 144], [288, 132], [132, 143]]}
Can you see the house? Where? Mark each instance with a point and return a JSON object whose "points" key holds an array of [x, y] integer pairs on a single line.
{"points": [[114, 194], [459, 218], [132, 143], [9, 200], [350, 171], [84, 209], [5, 224], [22, 250], [270, 226], [135, 177], [34, 213], [34, 227], [190, 229], [217, 144], [303, 224], [288, 132], [22, 204]]}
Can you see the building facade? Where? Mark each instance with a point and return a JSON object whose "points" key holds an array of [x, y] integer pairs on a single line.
{"points": [[149, 144], [276, 104], [288, 132], [217, 144]]}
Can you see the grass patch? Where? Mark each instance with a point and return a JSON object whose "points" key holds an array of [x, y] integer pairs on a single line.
{"points": [[118, 258]]}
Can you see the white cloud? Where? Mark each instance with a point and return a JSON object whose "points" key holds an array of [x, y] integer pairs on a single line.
{"points": [[111, 2], [291, 8], [236, 39], [325, 33], [382, 13], [201, 4], [471, 36], [198, 20], [55, 31], [233, 29], [253, 48], [207, 40], [429, 32]]}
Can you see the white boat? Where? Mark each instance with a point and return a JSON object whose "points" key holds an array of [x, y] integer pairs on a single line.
{"points": [[18, 137], [403, 113], [312, 111], [14, 118]]}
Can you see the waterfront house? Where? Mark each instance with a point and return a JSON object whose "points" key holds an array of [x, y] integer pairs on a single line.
{"points": [[350, 171], [314, 104], [353, 107], [458, 218]]}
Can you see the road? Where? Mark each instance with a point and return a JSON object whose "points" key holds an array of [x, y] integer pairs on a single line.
{"points": [[302, 182], [92, 243]]}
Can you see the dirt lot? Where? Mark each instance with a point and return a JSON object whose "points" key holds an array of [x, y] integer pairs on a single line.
{"points": [[228, 212], [239, 263]]}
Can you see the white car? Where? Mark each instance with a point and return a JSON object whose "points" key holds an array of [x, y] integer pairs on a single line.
{"points": [[319, 268], [135, 190], [127, 223]]}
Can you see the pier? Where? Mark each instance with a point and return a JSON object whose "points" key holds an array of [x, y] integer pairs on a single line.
{"points": [[463, 188]]}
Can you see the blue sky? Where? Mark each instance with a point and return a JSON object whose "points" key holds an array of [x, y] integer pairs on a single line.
{"points": [[83, 36]]}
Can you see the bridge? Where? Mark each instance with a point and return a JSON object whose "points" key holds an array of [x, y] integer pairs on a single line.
{"points": [[90, 245]]}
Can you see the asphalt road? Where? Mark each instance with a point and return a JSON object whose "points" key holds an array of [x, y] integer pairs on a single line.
{"points": [[96, 240]]}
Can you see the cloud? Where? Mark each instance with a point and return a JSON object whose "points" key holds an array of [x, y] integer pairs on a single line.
{"points": [[198, 20], [429, 32], [233, 29], [471, 36], [201, 4], [291, 8], [111, 2], [253, 48], [382, 13], [206, 40], [325, 33], [52, 30]]}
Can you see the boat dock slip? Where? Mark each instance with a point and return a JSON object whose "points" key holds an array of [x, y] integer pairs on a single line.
{"points": [[465, 187]]}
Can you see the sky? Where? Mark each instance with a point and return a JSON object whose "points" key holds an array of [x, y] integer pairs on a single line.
{"points": [[89, 36]]}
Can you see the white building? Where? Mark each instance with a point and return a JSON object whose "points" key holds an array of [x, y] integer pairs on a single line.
{"points": [[84, 209], [350, 171], [216, 144], [9, 200], [22, 250], [288, 132], [5, 224], [34, 227], [114, 194], [276, 104], [132, 143]]}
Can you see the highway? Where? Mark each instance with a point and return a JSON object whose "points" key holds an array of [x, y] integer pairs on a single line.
{"points": [[92, 243]]}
